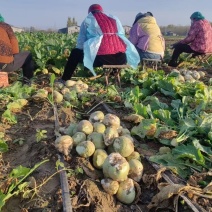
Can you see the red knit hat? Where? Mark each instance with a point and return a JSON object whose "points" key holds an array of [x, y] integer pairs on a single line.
{"points": [[95, 7]]}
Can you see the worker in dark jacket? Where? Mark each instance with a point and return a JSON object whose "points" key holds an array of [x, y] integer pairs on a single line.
{"points": [[101, 41], [10, 57]]}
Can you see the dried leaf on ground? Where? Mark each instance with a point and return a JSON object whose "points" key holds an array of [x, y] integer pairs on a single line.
{"points": [[135, 118], [208, 188], [166, 192], [197, 177], [153, 178], [90, 170], [138, 192]]}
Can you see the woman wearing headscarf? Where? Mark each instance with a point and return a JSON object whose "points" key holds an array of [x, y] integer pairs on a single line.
{"points": [[198, 40], [10, 57], [145, 34], [101, 41]]}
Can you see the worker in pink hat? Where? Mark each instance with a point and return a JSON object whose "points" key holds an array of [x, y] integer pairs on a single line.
{"points": [[101, 41]]}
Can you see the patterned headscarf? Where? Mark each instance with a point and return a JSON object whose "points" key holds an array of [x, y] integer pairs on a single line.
{"points": [[1, 18], [197, 16]]}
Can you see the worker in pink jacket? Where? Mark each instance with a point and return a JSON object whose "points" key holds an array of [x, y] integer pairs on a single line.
{"points": [[198, 40]]}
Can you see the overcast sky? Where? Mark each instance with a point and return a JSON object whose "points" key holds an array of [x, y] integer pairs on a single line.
{"points": [[45, 14]]}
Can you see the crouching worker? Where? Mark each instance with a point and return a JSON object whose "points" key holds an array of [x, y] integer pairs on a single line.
{"points": [[10, 57], [101, 41], [198, 40]]}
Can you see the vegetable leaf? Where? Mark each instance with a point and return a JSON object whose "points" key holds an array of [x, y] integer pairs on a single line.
{"points": [[3, 146], [202, 148], [189, 151], [173, 163], [19, 172]]}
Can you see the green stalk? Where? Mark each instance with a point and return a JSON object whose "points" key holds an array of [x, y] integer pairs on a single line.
{"points": [[11, 189]]}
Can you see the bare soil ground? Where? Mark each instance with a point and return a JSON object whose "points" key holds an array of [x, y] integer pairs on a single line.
{"points": [[85, 189]]}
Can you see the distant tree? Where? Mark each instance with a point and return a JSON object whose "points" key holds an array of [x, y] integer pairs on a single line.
{"points": [[50, 30], [32, 29], [179, 30], [74, 22], [170, 26], [26, 29], [69, 22]]}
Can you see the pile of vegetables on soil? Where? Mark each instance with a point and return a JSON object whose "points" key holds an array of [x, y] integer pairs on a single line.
{"points": [[110, 148], [67, 95], [185, 75]]}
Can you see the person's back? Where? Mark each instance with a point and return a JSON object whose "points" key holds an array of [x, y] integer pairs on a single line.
{"points": [[198, 41], [202, 33], [10, 57], [102, 34], [101, 41], [111, 43], [150, 27], [145, 34], [8, 43]]}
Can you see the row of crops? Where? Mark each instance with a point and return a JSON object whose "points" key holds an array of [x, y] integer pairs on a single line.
{"points": [[171, 109], [53, 49]]}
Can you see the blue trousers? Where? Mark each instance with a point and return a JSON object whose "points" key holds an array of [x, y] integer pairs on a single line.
{"points": [[148, 55]]}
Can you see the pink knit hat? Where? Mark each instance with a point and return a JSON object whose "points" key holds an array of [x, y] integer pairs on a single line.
{"points": [[95, 7]]}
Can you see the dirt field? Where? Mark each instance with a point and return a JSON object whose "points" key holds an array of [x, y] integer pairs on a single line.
{"points": [[85, 188]]}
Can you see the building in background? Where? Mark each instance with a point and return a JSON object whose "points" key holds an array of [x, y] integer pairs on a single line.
{"points": [[170, 33], [17, 29], [69, 30], [76, 29], [127, 29]]}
